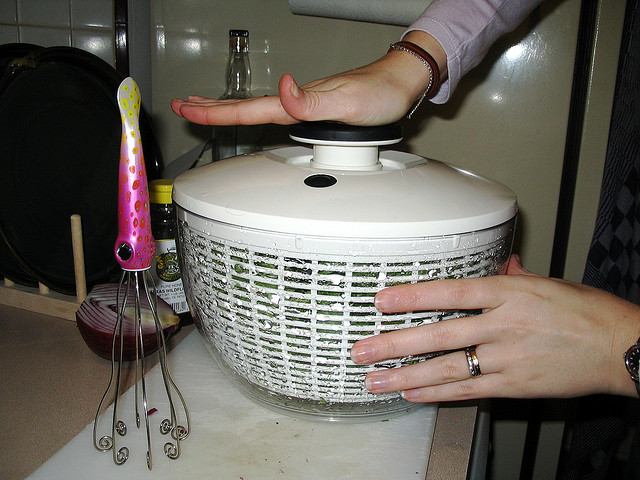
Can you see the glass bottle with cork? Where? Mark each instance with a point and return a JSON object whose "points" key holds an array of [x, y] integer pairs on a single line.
{"points": [[237, 140], [165, 269]]}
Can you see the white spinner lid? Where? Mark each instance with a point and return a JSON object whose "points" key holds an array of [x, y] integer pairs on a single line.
{"points": [[344, 187]]}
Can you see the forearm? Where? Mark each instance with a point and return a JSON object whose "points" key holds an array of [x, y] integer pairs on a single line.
{"points": [[456, 33], [412, 73], [465, 31]]}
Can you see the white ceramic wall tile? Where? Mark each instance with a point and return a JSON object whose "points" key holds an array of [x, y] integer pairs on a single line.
{"points": [[47, 37], [8, 11], [48, 13], [8, 34], [91, 13], [191, 49], [192, 15], [98, 42]]}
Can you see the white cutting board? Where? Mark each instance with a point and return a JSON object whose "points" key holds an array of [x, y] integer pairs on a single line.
{"points": [[235, 438]]}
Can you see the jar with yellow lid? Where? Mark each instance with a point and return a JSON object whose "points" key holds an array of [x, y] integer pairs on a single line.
{"points": [[166, 267]]}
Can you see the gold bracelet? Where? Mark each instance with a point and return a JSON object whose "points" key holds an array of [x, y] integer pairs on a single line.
{"points": [[428, 61]]}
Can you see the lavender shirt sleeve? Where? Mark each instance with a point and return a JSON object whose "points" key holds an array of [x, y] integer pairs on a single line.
{"points": [[466, 29]]}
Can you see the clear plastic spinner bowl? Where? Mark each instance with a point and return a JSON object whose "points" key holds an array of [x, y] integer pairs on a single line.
{"points": [[281, 296]]}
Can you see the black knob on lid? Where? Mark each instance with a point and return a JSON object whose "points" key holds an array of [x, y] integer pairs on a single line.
{"points": [[340, 132]]}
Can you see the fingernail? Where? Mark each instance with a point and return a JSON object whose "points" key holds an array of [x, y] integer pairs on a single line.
{"points": [[361, 353], [385, 301], [295, 90], [376, 382], [409, 395]]}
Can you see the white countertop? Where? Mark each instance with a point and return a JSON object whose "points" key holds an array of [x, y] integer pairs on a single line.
{"points": [[234, 438]]}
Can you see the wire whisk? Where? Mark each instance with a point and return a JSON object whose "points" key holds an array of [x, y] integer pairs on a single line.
{"points": [[134, 250]]}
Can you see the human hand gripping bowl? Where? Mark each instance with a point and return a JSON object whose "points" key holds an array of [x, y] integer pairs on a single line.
{"points": [[535, 337]]}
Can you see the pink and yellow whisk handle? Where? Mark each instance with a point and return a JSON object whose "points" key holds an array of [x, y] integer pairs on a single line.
{"points": [[135, 246]]}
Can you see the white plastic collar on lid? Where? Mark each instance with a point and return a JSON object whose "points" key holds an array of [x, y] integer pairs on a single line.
{"points": [[341, 190]]}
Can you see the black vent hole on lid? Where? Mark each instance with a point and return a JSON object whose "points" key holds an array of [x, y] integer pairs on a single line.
{"points": [[320, 180]]}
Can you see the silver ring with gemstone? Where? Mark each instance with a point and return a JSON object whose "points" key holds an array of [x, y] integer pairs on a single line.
{"points": [[472, 360]]}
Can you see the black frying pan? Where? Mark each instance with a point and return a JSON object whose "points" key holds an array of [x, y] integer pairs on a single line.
{"points": [[8, 267], [60, 144]]}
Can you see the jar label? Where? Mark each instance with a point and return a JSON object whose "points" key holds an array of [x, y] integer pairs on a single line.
{"points": [[166, 274]]}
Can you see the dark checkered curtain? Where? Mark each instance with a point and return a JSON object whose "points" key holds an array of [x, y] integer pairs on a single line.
{"points": [[614, 258], [613, 264]]}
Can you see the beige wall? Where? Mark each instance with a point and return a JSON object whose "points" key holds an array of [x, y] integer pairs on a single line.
{"points": [[506, 121]]}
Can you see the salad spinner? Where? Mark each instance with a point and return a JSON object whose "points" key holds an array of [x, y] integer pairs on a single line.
{"points": [[283, 251]]}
